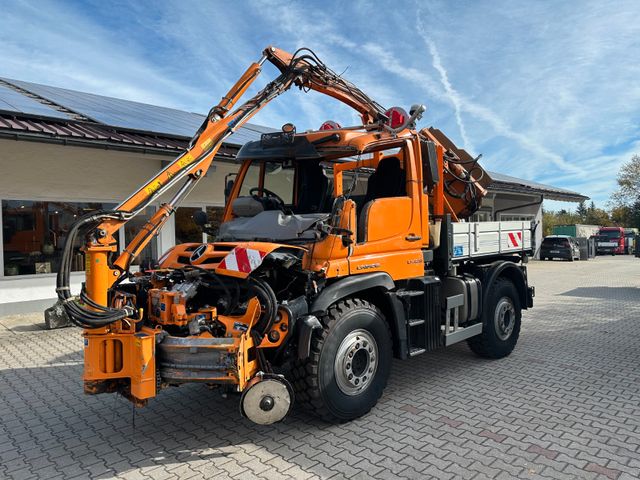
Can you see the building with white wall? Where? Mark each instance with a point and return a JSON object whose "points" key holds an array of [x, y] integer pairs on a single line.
{"points": [[64, 153]]}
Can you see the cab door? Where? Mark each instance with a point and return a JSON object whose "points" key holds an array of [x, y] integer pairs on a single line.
{"points": [[388, 236]]}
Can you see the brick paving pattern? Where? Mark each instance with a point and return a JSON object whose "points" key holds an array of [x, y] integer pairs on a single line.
{"points": [[565, 404]]}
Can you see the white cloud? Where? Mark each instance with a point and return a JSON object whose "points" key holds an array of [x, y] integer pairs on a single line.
{"points": [[450, 92]]}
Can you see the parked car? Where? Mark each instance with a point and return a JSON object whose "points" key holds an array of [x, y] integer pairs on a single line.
{"points": [[559, 246]]}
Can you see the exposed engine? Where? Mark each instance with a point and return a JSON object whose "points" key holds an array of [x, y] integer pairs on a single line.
{"points": [[203, 320]]}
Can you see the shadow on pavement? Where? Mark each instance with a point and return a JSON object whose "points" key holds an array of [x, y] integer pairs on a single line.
{"points": [[605, 293]]}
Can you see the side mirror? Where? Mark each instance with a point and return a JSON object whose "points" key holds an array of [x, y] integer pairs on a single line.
{"points": [[429, 159], [200, 218]]}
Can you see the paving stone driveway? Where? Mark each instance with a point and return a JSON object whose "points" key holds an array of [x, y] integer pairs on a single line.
{"points": [[565, 404]]}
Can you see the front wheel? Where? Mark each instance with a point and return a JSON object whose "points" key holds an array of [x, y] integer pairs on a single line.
{"points": [[349, 363], [500, 322]]}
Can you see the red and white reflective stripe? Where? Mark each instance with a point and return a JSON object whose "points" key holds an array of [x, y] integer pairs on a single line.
{"points": [[514, 239], [243, 260]]}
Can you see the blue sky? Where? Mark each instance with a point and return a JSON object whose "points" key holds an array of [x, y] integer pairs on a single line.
{"points": [[548, 91]]}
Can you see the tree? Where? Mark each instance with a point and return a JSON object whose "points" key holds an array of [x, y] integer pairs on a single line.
{"points": [[627, 196], [550, 219], [622, 216], [581, 211], [628, 192], [597, 216]]}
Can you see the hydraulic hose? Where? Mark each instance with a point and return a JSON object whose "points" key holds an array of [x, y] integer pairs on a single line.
{"points": [[82, 310], [258, 287], [269, 302]]}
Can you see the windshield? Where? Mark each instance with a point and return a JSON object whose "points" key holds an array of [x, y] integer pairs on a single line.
{"points": [[278, 178], [611, 234], [302, 187]]}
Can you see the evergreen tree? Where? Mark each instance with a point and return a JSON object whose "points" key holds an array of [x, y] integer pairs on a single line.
{"points": [[582, 211]]}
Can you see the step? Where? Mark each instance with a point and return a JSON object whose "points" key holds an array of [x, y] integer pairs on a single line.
{"points": [[414, 322], [416, 351]]}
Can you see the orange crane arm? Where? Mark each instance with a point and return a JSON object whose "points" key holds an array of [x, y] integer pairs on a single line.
{"points": [[302, 68], [321, 79], [193, 164]]}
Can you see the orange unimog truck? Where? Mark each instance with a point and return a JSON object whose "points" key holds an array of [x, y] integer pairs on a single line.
{"points": [[340, 249]]}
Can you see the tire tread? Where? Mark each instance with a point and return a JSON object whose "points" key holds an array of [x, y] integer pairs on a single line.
{"points": [[483, 345], [305, 372]]}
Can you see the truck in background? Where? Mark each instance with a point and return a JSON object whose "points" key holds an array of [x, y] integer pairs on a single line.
{"points": [[630, 235], [610, 241], [576, 230]]}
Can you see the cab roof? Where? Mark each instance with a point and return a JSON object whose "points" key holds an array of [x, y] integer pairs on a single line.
{"points": [[317, 145]]}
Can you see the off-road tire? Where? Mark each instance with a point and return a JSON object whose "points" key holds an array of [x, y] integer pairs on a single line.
{"points": [[489, 344], [314, 379]]}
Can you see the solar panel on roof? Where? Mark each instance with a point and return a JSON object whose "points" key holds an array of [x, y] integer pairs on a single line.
{"points": [[5, 106], [121, 113], [12, 101], [248, 133]]}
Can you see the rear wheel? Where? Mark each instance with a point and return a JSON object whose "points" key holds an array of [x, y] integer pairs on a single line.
{"points": [[500, 322], [349, 363]]}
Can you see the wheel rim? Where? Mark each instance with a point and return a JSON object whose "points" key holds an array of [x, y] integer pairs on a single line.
{"points": [[356, 362], [504, 318]]}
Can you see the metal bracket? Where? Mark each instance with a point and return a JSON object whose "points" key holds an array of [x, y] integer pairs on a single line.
{"points": [[463, 334], [452, 304], [454, 333]]}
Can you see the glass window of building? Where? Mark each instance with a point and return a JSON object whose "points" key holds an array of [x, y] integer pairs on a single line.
{"points": [[34, 234]]}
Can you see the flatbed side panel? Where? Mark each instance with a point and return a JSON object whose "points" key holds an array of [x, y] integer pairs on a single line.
{"points": [[482, 239]]}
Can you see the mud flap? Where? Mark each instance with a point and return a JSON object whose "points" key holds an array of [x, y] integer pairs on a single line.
{"points": [[306, 325]]}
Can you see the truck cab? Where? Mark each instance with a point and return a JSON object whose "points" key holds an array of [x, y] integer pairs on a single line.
{"points": [[370, 211], [610, 241]]}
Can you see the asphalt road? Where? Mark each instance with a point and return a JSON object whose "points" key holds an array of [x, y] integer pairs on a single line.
{"points": [[565, 404]]}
